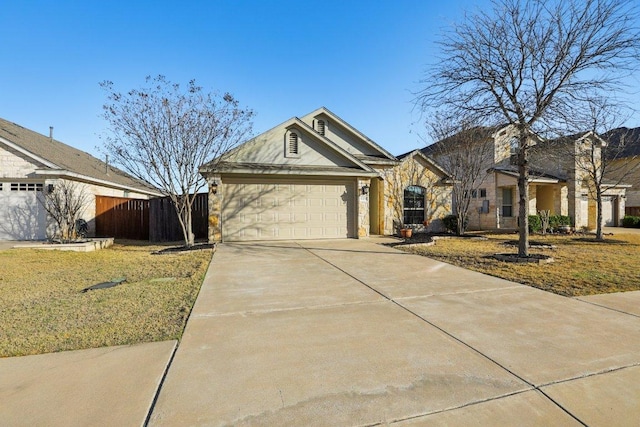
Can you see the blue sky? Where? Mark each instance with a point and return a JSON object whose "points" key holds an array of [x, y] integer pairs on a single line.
{"points": [[360, 59]]}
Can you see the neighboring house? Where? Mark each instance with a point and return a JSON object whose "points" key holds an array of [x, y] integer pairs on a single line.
{"points": [[624, 164], [31, 163], [319, 177], [556, 183]]}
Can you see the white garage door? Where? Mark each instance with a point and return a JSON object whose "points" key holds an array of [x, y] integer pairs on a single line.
{"points": [[21, 216], [280, 210], [607, 211]]}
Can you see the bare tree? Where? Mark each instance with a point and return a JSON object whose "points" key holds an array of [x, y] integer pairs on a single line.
{"points": [[531, 64], [162, 133], [65, 203], [595, 158], [465, 152], [415, 172]]}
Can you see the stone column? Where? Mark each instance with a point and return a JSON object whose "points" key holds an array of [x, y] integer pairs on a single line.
{"points": [[215, 208], [363, 207]]}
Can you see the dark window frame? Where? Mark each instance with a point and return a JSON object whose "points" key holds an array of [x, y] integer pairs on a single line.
{"points": [[414, 204]]}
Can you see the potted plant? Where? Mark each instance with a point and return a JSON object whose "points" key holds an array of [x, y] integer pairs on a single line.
{"points": [[406, 232]]}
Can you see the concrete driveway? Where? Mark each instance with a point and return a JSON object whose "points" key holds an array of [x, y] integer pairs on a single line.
{"points": [[351, 332]]}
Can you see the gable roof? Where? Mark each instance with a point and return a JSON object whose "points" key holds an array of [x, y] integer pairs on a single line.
{"points": [[59, 158], [383, 154], [427, 159], [235, 161]]}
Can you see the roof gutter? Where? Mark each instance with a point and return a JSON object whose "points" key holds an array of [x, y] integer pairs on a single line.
{"points": [[63, 173]]}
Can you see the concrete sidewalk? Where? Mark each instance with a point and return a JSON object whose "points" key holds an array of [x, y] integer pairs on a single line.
{"points": [[109, 386], [350, 332]]}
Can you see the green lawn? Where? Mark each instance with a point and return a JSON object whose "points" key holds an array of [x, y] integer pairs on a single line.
{"points": [[582, 266], [44, 310]]}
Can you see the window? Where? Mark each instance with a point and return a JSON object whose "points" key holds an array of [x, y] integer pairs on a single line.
{"points": [[507, 202], [321, 127], [26, 186], [514, 146], [414, 205], [293, 143], [482, 192]]}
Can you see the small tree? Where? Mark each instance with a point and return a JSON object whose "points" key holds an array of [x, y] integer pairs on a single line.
{"points": [[532, 64], [595, 158], [465, 152], [162, 133], [65, 203]]}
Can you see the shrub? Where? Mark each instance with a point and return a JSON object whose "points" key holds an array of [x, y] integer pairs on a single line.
{"points": [[451, 223], [558, 220], [535, 224], [630, 221]]}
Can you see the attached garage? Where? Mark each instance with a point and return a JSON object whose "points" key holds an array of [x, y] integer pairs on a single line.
{"points": [[283, 208], [306, 178], [21, 215]]}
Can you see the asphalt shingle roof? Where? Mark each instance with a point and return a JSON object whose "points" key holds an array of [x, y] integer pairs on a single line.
{"points": [[65, 157], [631, 141]]}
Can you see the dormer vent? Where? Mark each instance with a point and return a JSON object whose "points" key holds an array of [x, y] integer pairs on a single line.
{"points": [[293, 143], [321, 127]]}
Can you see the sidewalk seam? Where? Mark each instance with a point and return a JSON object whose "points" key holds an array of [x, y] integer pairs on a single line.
{"points": [[606, 307], [533, 386], [175, 348], [160, 384]]}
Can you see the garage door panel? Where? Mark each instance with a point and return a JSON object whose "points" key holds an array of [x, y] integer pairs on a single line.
{"points": [[298, 210], [21, 216]]}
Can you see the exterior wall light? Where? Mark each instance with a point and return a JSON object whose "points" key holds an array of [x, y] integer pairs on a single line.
{"points": [[365, 190]]}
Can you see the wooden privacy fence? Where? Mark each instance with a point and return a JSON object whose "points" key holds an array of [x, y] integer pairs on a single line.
{"points": [[122, 218], [634, 211], [155, 220], [163, 219]]}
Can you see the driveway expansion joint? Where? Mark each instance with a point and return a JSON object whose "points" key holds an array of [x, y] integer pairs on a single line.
{"points": [[287, 309], [606, 307]]}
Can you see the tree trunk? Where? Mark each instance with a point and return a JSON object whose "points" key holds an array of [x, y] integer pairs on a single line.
{"points": [[184, 217], [523, 201], [189, 238], [599, 231]]}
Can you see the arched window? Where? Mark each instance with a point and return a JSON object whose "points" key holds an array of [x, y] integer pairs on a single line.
{"points": [[321, 127], [414, 205], [293, 143]]}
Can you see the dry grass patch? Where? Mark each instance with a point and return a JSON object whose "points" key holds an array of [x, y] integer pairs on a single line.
{"points": [[582, 266], [44, 310]]}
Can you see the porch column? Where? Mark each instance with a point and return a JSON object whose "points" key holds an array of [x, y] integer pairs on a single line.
{"points": [[363, 188], [215, 208]]}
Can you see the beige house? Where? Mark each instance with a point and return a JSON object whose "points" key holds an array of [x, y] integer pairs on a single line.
{"points": [[317, 177], [31, 163], [558, 182], [624, 164]]}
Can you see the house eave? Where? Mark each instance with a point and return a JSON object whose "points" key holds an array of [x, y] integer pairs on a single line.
{"points": [[28, 153], [532, 179], [63, 173], [262, 169]]}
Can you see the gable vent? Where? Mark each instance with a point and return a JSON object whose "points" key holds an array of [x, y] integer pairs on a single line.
{"points": [[293, 143], [321, 127]]}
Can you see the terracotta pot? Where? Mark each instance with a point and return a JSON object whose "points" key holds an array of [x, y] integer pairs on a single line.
{"points": [[406, 232]]}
